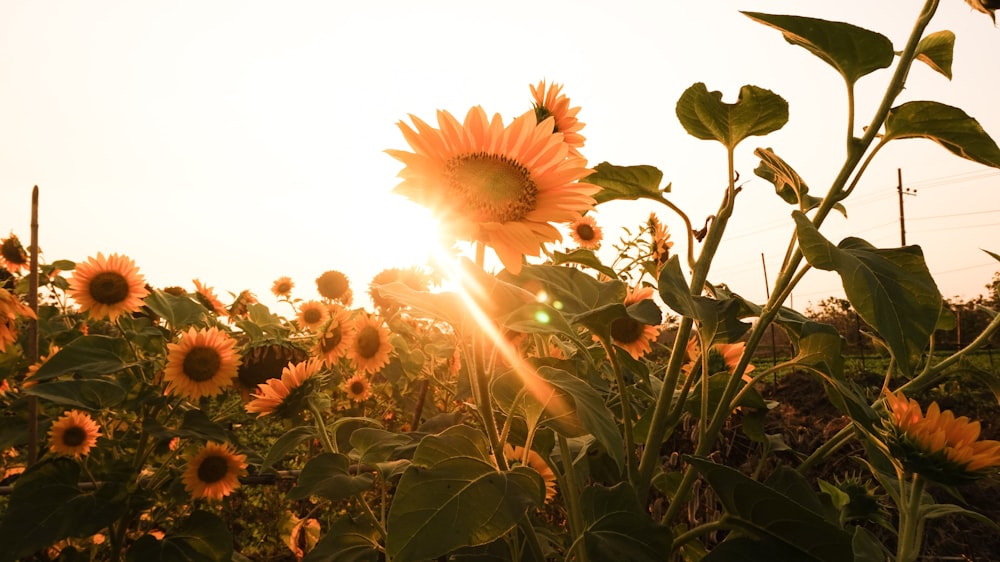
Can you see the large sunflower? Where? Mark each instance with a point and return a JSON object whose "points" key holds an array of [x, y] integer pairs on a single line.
{"points": [[552, 102], [502, 186], [73, 434], [108, 287], [203, 363], [285, 396], [368, 347], [214, 472]]}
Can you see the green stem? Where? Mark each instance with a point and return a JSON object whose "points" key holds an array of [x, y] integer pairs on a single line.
{"points": [[908, 547], [703, 529], [324, 437], [481, 385], [687, 224], [571, 493], [930, 376], [630, 466], [371, 515], [829, 446]]}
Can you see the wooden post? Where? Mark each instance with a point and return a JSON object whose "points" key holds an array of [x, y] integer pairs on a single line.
{"points": [[33, 327]]}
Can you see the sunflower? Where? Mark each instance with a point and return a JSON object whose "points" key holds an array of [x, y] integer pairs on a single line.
{"points": [[241, 304], [358, 388], [262, 361], [551, 102], [214, 472], [722, 357], [73, 434], [202, 364], [938, 445], [411, 277], [286, 396], [12, 255], [369, 347], [586, 233], [10, 310], [333, 339], [631, 335], [207, 297], [108, 287], [282, 287], [661, 244], [514, 455], [34, 367], [335, 286], [312, 315], [501, 186]]}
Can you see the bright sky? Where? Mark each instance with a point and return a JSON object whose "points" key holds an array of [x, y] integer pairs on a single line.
{"points": [[236, 141]]}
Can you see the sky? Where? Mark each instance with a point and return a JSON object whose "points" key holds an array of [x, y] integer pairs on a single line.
{"points": [[240, 141]]}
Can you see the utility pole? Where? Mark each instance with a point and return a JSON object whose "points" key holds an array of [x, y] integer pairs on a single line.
{"points": [[901, 191]]}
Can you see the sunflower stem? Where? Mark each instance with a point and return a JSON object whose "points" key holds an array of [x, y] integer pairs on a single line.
{"points": [[908, 546], [324, 437], [630, 464], [571, 493]]}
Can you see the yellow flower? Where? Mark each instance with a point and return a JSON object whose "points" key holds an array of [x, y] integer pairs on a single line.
{"points": [[586, 233], [335, 336], [631, 335], [203, 363], [369, 347], [207, 297], [108, 287], [73, 434], [241, 305], [214, 472], [12, 254], [551, 102], [10, 310], [312, 315], [334, 285], [536, 462], [285, 396], [501, 186], [938, 445], [358, 388], [262, 361], [411, 277], [661, 240], [282, 287]]}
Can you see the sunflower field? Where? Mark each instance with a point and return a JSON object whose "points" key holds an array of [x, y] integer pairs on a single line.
{"points": [[566, 407]]}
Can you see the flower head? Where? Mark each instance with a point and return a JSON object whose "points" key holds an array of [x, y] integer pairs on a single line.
{"points": [[207, 297], [214, 472], [661, 240], [987, 7], [286, 396], [334, 337], [203, 363], [411, 277], [369, 347], [12, 254], [312, 314], [10, 310], [108, 287], [501, 186], [938, 445], [335, 286], [73, 434], [264, 361], [241, 304], [514, 456], [551, 102], [630, 334], [358, 388], [282, 287], [586, 233]]}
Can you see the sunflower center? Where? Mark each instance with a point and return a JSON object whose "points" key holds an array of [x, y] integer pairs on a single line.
{"points": [[202, 363], [626, 330], [74, 436], [585, 232], [213, 469], [109, 287], [494, 188], [369, 342], [312, 316], [357, 387]]}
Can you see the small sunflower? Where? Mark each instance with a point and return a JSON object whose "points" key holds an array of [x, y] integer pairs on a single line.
{"points": [[333, 339], [411, 277], [335, 286], [282, 287], [108, 287], [286, 396], [500, 186], [11, 309], [631, 335], [73, 434], [207, 297], [38, 365], [551, 102], [12, 255], [369, 347], [661, 243], [358, 388], [203, 363], [214, 472], [586, 233], [312, 315], [536, 462], [241, 304]]}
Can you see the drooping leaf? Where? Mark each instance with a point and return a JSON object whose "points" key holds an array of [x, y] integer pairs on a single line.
{"points": [[91, 394], [328, 475], [853, 51], [937, 50], [756, 112], [583, 256], [347, 540], [203, 537], [787, 182], [286, 443], [948, 126], [566, 289], [891, 289], [197, 424], [617, 528], [718, 320], [453, 496], [626, 182], [86, 356]]}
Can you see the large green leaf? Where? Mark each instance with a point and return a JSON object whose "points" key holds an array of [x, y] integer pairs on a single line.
{"points": [[328, 475], [47, 505], [626, 182], [948, 126], [86, 356], [91, 394], [179, 311], [453, 496], [347, 540], [583, 256], [756, 112], [617, 528], [891, 289], [853, 51], [937, 50], [567, 289], [203, 537], [787, 182], [718, 320], [286, 443]]}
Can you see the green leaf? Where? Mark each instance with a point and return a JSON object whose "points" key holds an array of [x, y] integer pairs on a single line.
{"points": [[821, 344], [203, 537], [948, 126], [718, 320], [626, 182], [197, 424], [328, 476], [787, 182], [347, 540], [90, 394], [891, 289], [375, 445], [583, 256], [853, 51], [179, 311], [453, 496], [617, 528], [286, 443], [937, 50], [567, 289], [86, 356], [47, 505], [756, 112]]}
